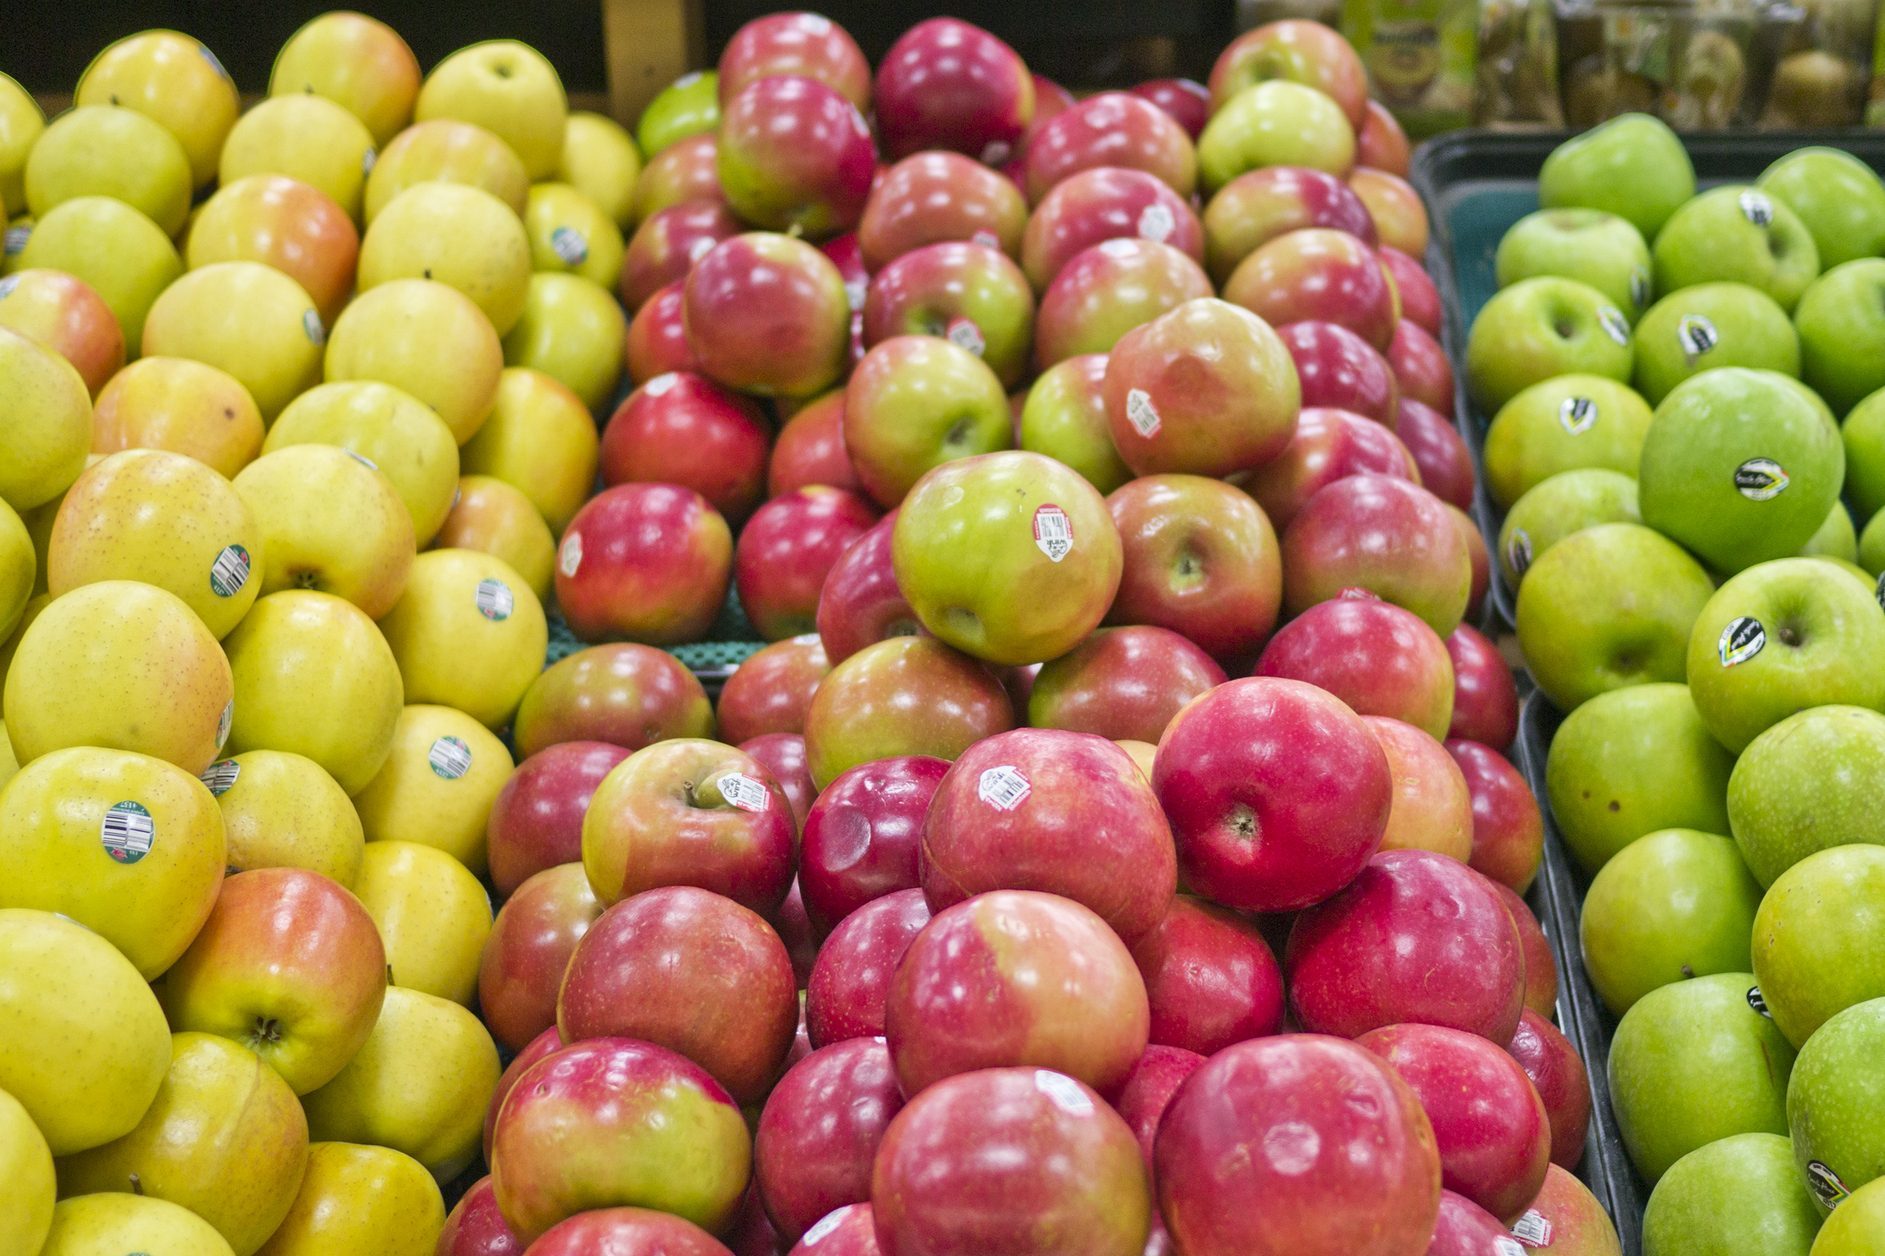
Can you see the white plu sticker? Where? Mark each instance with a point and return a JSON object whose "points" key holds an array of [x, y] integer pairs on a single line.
{"points": [[225, 722], [1064, 1092], [1761, 479], [1577, 414], [569, 245], [1696, 335], [1756, 208], [1156, 223], [1004, 788], [1758, 1002], [311, 324], [363, 460], [449, 758], [996, 152], [127, 832], [964, 334], [1614, 324], [661, 384], [855, 292], [229, 572], [1826, 1184], [220, 776], [1533, 1229], [1741, 640], [369, 159], [1502, 1246], [1053, 532], [1518, 551], [986, 238], [744, 792], [495, 600], [1141, 413], [826, 1224], [7, 285], [569, 557], [15, 240]]}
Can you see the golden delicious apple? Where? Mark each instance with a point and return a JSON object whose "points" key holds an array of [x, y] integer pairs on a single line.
{"points": [[508, 88], [358, 62], [18, 567], [112, 1222], [18, 231], [247, 319], [314, 676], [468, 633], [540, 439], [572, 330], [98, 150], [361, 1201], [123, 255], [437, 786], [600, 160], [176, 82], [39, 602], [21, 123], [224, 1138], [283, 810], [499, 519], [570, 232], [330, 522], [122, 665], [65, 314], [433, 916], [184, 406], [446, 151], [164, 519], [9, 766], [285, 223], [420, 1085], [454, 235], [428, 339], [46, 407], [83, 1044], [27, 1186], [398, 435], [127, 845], [304, 137]]}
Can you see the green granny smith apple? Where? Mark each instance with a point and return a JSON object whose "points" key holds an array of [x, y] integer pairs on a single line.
{"points": [[1836, 1105], [687, 107], [1837, 538], [1538, 328], [1741, 234], [1632, 166], [1630, 762], [1837, 196], [1813, 781], [1567, 503], [1735, 1197], [1608, 607], [1709, 325], [1694, 1062], [1857, 1226], [1587, 245], [1864, 436], [1872, 550], [1819, 939], [1565, 423], [1841, 321]]}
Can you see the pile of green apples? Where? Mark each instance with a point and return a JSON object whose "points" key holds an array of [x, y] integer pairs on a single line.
{"points": [[1686, 418]]}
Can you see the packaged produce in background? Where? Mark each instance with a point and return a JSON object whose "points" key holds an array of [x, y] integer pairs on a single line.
{"points": [[1420, 56]]}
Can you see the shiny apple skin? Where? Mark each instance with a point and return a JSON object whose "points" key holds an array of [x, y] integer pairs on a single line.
{"points": [[1328, 445], [623, 694], [287, 224], [1438, 449], [543, 1044], [1374, 656], [795, 155], [1541, 967], [786, 550], [768, 314], [682, 428], [1399, 217], [476, 1227], [687, 170], [1010, 1160], [1100, 204], [1383, 534], [1149, 1088], [1211, 978], [850, 982], [1124, 684], [810, 449], [1320, 1130], [1105, 291], [537, 820], [783, 757], [528, 950], [657, 336], [651, 563], [948, 84], [1341, 371], [1297, 50], [1417, 937], [861, 602], [1466, 1229], [819, 1133], [1421, 367], [1316, 274], [1187, 100], [1478, 559], [770, 691], [1420, 298], [1508, 829], [1558, 1075], [627, 1232], [1485, 695], [847, 1231], [1259, 205], [1381, 143], [806, 44], [961, 290], [668, 243], [1116, 129], [915, 402], [862, 836], [932, 197], [904, 696]]}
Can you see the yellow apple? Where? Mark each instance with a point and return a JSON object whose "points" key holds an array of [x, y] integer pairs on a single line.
{"points": [[9, 644], [9, 766], [455, 235], [99, 150], [540, 439], [314, 676], [285, 223], [468, 633], [570, 232], [433, 916], [176, 82], [27, 1186], [601, 161], [39, 521], [508, 88], [18, 567], [361, 1201], [420, 1085], [63, 984], [164, 519], [115, 1222], [46, 407], [21, 123], [121, 665], [123, 255], [497, 518], [403, 439], [437, 786], [330, 522], [304, 137], [224, 1138], [358, 62], [283, 810], [244, 318], [428, 339], [574, 331], [67, 315], [184, 406], [446, 151]]}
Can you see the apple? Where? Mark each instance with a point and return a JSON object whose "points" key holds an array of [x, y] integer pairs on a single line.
{"points": [[1439, 452], [445, 149], [1710, 325], [283, 810], [1064, 417], [906, 695], [627, 695], [1803, 786], [1739, 234], [1328, 445], [529, 947], [109, 1219], [124, 256], [1823, 905], [847, 1231], [571, 330], [507, 87], [456, 235], [685, 108], [1400, 218], [1211, 979], [861, 603], [615, 1229], [327, 522], [1148, 1091], [1318, 274], [1421, 367], [770, 691], [1274, 123], [366, 345], [686, 170], [600, 161], [31, 1185], [790, 343], [820, 1131], [1115, 130], [305, 137], [932, 197], [1105, 203], [173, 80], [1576, 1221], [475, 1227], [540, 437], [468, 633], [1592, 246], [433, 916], [1567, 423], [1383, 534], [244, 318], [1432, 808], [915, 402], [357, 1197], [1739, 1189], [183, 406], [1465, 1228], [1830, 1106], [1566, 503], [1420, 298], [23, 123], [782, 755], [810, 449], [1294, 51], [849, 985], [496, 518], [570, 233], [1839, 335], [951, 85], [1260, 205], [283, 223], [786, 551], [1340, 370], [861, 836], [1188, 101], [1105, 291], [1849, 1231], [1838, 198], [1540, 328], [794, 155], [794, 44], [403, 439], [356, 61], [968, 293], [66, 315], [648, 561], [1633, 166], [545, 1043], [101, 150], [1375, 656], [1122, 683]]}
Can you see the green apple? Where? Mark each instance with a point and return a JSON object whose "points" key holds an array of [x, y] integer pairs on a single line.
{"points": [[1630, 762], [540, 438], [1819, 938], [1837, 196], [456, 235], [1740, 234], [571, 330], [688, 106], [509, 89], [1740, 467], [21, 124], [600, 161], [116, 1221], [1836, 1104], [1781, 637], [1274, 123], [570, 232], [27, 1186], [1588, 245], [124, 256], [100, 150], [1841, 321], [1632, 166], [432, 913], [1813, 781], [1736, 1195], [1694, 1062], [1856, 1225], [1837, 538], [436, 789], [1872, 547], [1708, 325], [176, 82], [1566, 423], [1669, 906], [246, 319], [1567, 503], [305, 137], [1864, 436], [1064, 417], [1608, 607], [1542, 327]]}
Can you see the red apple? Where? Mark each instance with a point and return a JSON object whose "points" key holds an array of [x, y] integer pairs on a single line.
{"points": [[284, 223], [624, 694], [1149, 1088], [1420, 299], [810, 449], [770, 691], [1341, 371], [1112, 129], [67, 315], [847, 1231], [1446, 465], [1557, 1073], [476, 1227], [1200, 559], [795, 155], [1383, 534], [1188, 101], [948, 84], [537, 820], [1478, 557], [783, 757], [786, 550], [657, 336], [1400, 220], [795, 43], [916, 402], [1105, 203], [861, 602], [543, 1044], [627, 1232], [1432, 809], [693, 972], [862, 835], [1298, 51], [645, 562], [1105, 291], [1421, 368], [1016, 977], [1567, 1211], [529, 947], [969, 293], [819, 1133], [1417, 937], [1259, 205], [1381, 143], [1322, 275], [682, 428], [667, 244], [1485, 696], [1328, 445], [1211, 979], [768, 314], [904, 696], [1122, 683], [928, 198], [1374, 656], [1466, 1229], [686, 170], [1541, 967], [850, 982], [1321, 1131]]}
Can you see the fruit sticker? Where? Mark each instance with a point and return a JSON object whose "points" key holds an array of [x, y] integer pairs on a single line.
{"points": [[986, 238], [1613, 322], [369, 159], [1518, 551], [997, 152], [1004, 788], [1881, 590], [311, 324], [14, 243], [1156, 223], [1053, 532], [1639, 286], [829, 1222], [1503, 1246], [449, 757], [220, 776], [495, 600], [1697, 336], [224, 722], [7, 285], [1141, 413], [964, 334], [1533, 1229], [661, 384], [1758, 1002], [1760, 479], [1756, 208], [229, 572], [127, 832], [1741, 640], [1577, 414], [744, 792], [1063, 1091], [363, 460], [569, 246], [570, 556], [1826, 1184]]}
